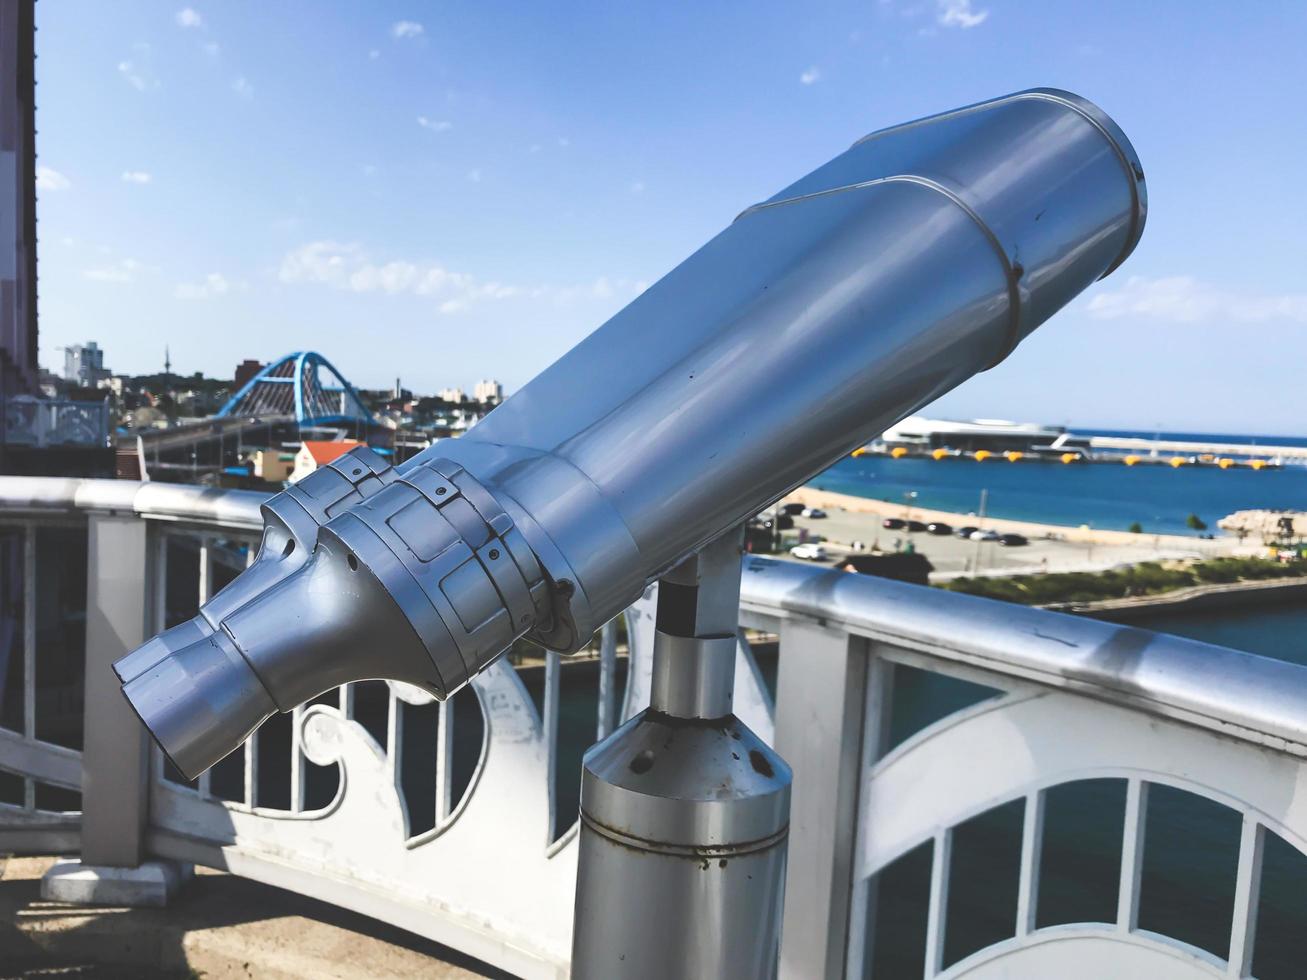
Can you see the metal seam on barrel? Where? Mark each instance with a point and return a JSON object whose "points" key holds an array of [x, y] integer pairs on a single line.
{"points": [[681, 850], [1134, 172], [1010, 273], [1067, 100]]}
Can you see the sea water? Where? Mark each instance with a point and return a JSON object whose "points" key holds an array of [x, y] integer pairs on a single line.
{"points": [[1111, 496]]}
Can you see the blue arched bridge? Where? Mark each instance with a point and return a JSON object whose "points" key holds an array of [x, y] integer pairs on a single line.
{"points": [[303, 385]]}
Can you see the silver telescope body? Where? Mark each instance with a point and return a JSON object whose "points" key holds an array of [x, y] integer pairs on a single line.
{"points": [[918, 257]]}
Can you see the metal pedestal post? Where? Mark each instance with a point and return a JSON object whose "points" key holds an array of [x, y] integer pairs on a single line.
{"points": [[684, 810]]}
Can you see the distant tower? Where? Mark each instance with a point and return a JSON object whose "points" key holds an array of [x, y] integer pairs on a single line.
{"points": [[167, 363]]}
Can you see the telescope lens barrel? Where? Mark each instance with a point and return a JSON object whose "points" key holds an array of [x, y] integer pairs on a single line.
{"points": [[917, 258], [199, 702]]}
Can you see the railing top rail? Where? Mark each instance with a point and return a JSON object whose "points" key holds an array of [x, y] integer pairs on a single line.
{"points": [[234, 509], [1248, 697], [1253, 698]]}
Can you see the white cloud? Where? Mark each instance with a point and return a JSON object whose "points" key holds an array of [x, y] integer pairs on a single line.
{"points": [[435, 125], [135, 76], [811, 76], [374, 54], [214, 284], [189, 17], [406, 29], [346, 266], [122, 271], [242, 87], [137, 177], [49, 179], [958, 13], [1186, 299]]}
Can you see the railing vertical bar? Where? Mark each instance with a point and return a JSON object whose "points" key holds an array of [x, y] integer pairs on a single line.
{"points": [[1132, 855], [206, 577], [29, 652], [160, 614], [875, 736], [1032, 843], [444, 760], [251, 747], [296, 760], [936, 920], [161, 581], [347, 700], [251, 750], [607, 680], [206, 568], [29, 631], [394, 735], [1247, 898], [552, 670]]}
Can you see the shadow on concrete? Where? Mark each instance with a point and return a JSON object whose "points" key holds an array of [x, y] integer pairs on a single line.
{"points": [[218, 926]]}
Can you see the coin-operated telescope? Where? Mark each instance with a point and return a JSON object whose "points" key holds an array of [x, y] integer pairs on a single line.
{"points": [[915, 259]]}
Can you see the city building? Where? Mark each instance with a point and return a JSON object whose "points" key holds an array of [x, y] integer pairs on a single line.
{"points": [[453, 395], [84, 365], [245, 372], [38, 435], [313, 454], [275, 466], [488, 392], [18, 331], [924, 435]]}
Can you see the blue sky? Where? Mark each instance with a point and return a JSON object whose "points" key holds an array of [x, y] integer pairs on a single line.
{"points": [[449, 191]]}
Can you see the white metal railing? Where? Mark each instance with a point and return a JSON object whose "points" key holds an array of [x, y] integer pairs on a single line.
{"points": [[1069, 700], [45, 422], [1055, 703]]}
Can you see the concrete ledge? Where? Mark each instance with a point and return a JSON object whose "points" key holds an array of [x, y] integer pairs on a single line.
{"points": [[149, 886]]}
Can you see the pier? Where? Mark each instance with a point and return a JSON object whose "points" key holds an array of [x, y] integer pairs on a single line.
{"points": [[1124, 444]]}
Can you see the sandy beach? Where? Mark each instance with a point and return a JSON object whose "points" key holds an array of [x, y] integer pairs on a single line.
{"points": [[1052, 547]]}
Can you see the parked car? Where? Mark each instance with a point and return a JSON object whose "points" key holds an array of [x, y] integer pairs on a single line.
{"points": [[813, 512], [979, 535], [893, 524], [809, 552], [966, 532], [1012, 540], [939, 527], [792, 508], [916, 526]]}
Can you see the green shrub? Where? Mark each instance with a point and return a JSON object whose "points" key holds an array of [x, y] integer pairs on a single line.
{"points": [[1146, 578]]}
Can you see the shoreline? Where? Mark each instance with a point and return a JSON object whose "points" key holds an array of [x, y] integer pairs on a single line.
{"points": [[1217, 595], [829, 500]]}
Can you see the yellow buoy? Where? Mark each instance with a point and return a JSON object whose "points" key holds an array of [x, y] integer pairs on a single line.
{"points": [[981, 455], [1178, 461], [1257, 464], [1069, 457], [1013, 455], [898, 452], [939, 453], [860, 451], [1224, 463], [1131, 460]]}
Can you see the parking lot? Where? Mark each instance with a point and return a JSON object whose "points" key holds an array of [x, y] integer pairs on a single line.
{"points": [[952, 556]]}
